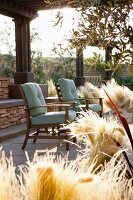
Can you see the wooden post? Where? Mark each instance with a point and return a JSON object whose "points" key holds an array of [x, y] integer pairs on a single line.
{"points": [[23, 53], [108, 52], [108, 58], [79, 80]]}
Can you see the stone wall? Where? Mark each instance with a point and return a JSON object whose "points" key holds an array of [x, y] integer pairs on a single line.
{"points": [[11, 116], [11, 110], [4, 92]]}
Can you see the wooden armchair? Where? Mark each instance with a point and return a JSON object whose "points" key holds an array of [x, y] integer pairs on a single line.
{"points": [[38, 117], [67, 92]]}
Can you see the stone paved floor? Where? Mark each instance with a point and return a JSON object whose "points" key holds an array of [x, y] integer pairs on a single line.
{"points": [[56, 147]]}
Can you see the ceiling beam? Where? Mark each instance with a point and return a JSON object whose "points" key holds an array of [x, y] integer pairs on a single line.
{"points": [[11, 10]]}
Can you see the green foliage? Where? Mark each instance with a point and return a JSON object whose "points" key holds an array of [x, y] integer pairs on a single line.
{"points": [[52, 68], [65, 67], [103, 24], [95, 62], [125, 80], [65, 64], [38, 67], [6, 38], [8, 60], [8, 65]]}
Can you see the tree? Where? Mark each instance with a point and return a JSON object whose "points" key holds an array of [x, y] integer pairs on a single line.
{"points": [[105, 24], [8, 64]]}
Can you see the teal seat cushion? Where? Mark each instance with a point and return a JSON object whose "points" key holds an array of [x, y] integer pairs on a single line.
{"points": [[93, 107], [69, 92], [53, 118], [68, 89], [34, 98]]}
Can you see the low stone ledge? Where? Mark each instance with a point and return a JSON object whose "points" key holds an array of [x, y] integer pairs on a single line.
{"points": [[11, 103], [12, 113]]}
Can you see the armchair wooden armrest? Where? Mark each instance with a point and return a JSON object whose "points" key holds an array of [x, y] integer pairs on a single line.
{"points": [[57, 104], [69, 102], [95, 98], [100, 102]]}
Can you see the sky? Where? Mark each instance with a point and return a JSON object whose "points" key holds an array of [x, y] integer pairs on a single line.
{"points": [[48, 33]]}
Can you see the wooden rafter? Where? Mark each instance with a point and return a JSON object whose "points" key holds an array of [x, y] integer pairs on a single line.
{"points": [[12, 10], [29, 8]]}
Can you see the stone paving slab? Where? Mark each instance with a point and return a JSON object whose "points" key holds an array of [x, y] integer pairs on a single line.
{"points": [[56, 147]]}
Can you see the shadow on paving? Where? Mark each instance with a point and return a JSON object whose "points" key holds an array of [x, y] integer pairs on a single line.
{"points": [[56, 149]]}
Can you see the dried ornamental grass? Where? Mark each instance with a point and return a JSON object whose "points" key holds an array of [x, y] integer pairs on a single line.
{"points": [[9, 184], [48, 179], [89, 90], [121, 95], [51, 88], [100, 135]]}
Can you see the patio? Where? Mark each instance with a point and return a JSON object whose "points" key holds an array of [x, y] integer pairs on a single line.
{"points": [[11, 138], [15, 140], [57, 148]]}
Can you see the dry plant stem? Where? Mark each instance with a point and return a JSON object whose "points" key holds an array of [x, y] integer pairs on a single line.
{"points": [[127, 160], [123, 120]]}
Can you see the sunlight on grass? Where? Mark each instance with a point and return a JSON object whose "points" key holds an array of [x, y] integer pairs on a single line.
{"points": [[49, 179], [51, 88]]}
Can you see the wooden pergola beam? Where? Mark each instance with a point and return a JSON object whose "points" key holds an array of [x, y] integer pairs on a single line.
{"points": [[11, 10]]}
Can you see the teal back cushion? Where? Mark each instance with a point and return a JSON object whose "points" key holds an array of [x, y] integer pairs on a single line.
{"points": [[34, 98], [68, 89]]}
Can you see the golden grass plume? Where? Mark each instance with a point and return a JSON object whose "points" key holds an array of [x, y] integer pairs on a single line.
{"points": [[45, 178], [51, 88], [121, 95], [100, 135]]}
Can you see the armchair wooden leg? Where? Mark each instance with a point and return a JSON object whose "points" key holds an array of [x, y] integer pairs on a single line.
{"points": [[67, 142], [26, 139], [58, 130], [74, 140], [53, 131], [101, 113], [46, 130], [37, 132], [101, 103], [67, 146]]}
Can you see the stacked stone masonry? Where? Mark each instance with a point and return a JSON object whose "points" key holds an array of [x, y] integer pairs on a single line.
{"points": [[4, 92], [12, 116], [9, 115]]}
